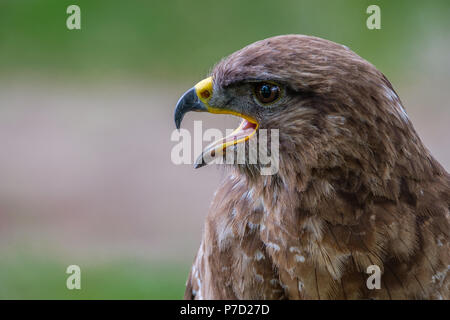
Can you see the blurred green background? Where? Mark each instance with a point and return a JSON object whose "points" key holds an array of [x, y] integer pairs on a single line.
{"points": [[86, 117], [178, 38]]}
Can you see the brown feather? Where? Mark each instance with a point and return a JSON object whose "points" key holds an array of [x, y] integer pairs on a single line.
{"points": [[356, 187]]}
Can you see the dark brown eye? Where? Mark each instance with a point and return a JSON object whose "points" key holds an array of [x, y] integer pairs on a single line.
{"points": [[267, 92]]}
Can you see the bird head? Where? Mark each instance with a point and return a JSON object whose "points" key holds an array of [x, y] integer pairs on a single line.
{"points": [[332, 108]]}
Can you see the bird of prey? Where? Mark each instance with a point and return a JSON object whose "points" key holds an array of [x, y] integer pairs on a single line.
{"points": [[355, 187]]}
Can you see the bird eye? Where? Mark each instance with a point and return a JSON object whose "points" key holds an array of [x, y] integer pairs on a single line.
{"points": [[267, 92]]}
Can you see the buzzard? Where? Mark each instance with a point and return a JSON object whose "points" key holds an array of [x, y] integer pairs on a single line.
{"points": [[355, 187]]}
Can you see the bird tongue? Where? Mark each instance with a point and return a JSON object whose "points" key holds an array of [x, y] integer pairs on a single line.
{"points": [[247, 125], [244, 130]]}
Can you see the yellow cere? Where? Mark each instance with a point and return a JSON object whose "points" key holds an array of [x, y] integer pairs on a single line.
{"points": [[204, 90]]}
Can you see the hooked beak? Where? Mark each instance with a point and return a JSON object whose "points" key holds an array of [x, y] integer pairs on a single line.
{"points": [[189, 101], [197, 99]]}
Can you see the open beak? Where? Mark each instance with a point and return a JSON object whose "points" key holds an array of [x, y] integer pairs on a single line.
{"points": [[197, 99]]}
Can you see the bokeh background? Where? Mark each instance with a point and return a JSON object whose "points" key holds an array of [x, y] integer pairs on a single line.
{"points": [[86, 117]]}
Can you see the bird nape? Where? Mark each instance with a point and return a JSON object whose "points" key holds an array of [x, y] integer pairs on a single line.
{"points": [[355, 186]]}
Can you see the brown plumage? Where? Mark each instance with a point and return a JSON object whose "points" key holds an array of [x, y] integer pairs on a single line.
{"points": [[355, 187]]}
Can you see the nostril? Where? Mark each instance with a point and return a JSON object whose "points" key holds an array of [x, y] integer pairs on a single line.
{"points": [[205, 94]]}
